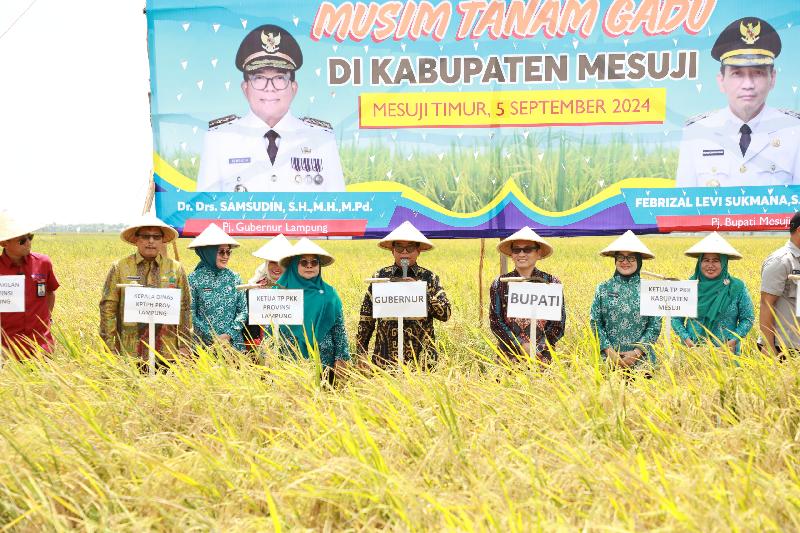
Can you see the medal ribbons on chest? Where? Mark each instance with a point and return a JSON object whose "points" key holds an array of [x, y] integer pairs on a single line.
{"points": [[307, 165]]}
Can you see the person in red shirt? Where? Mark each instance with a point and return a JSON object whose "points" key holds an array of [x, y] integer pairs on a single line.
{"points": [[24, 332]]}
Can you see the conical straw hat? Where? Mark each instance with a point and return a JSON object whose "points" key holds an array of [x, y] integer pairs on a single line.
{"points": [[276, 249], [213, 236], [525, 234], [713, 243], [628, 242], [148, 221], [15, 226], [406, 232], [305, 246]]}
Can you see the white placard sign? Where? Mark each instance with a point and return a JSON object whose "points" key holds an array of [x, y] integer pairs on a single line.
{"points": [[668, 298], [525, 298], [148, 304], [402, 299], [12, 294], [275, 306]]}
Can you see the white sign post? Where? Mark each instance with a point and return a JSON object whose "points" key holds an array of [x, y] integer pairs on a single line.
{"points": [[535, 301], [12, 300], [668, 299], [403, 299], [151, 306]]}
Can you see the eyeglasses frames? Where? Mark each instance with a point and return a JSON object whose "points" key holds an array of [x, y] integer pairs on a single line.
{"points": [[150, 236], [25, 239], [408, 248], [625, 258], [525, 249], [226, 253], [260, 83], [309, 263]]}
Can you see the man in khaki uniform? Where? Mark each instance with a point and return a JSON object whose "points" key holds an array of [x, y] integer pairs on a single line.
{"points": [[777, 320], [147, 267]]}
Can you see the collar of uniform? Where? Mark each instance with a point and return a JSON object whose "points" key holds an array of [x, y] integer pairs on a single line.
{"points": [[287, 123], [792, 248], [6, 261], [736, 122], [139, 258]]}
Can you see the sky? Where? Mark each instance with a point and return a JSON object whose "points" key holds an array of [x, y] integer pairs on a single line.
{"points": [[76, 139]]}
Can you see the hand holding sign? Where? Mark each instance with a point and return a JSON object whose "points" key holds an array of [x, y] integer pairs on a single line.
{"points": [[536, 301]]}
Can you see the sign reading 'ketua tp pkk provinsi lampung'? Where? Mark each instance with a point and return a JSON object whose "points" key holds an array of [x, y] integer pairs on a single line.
{"points": [[147, 304], [542, 301], [12, 294], [400, 300], [282, 307], [668, 298]]}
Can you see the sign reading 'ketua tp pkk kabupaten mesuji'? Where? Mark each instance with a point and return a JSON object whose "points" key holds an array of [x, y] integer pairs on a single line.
{"points": [[12, 294], [275, 306], [542, 301], [668, 298], [152, 305], [406, 299]]}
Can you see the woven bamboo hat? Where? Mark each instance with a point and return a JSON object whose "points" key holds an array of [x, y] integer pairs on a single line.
{"points": [[525, 234], [14, 226], [406, 232], [276, 249], [713, 243], [628, 242], [305, 246], [148, 221], [213, 235]]}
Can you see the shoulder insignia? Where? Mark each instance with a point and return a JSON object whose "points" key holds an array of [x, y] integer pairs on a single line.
{"points": [[697, 118], [222, 120], [317, 123], [790, 112]]}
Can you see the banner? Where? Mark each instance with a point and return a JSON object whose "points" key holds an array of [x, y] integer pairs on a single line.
{"points": [[473, 118]]}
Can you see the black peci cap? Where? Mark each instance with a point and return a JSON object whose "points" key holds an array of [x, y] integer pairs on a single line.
{"points": [[747, 42], [269, 46]]}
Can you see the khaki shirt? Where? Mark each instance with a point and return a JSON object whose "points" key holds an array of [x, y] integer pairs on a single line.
{"points": [[775, 280]]}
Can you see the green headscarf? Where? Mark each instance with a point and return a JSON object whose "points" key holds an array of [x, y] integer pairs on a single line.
{"points": [[321, 306], [208, 257], [713, 295]]}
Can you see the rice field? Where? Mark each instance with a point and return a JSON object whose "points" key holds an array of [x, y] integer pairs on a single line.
{"points": [[221, 444], [556, 170]]}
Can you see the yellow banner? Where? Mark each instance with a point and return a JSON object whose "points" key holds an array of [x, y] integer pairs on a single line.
{"points": [[512, 108]]}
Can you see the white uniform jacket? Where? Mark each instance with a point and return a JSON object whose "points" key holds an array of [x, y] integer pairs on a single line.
{"points": [[235, 159]]}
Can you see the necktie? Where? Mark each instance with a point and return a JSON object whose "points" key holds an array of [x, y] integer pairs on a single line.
{"points": [[744, 140], [272, 147]]}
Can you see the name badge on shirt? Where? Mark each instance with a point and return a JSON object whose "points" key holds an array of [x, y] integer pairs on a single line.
{"points": [[40, 288], [718, 151], [207, 289], [238, 160]]}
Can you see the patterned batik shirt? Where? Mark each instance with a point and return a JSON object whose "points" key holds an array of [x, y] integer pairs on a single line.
{"points": [[131, 338], [512, 333], [419, 338], [217, 307], [615, 318]]}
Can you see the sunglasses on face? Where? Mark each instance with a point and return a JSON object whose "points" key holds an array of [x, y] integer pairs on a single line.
{"points": [[150, 236], [524, 249], [625, 258], [224, 252], [25, 239], [408, 248], [308, 263]]}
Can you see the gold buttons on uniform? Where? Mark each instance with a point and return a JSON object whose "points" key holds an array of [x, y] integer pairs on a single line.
{"points": [[776, 142], [742, 169]]}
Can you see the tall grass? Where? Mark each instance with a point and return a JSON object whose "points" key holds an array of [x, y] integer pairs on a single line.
{"points": [[222, 444], [554, 169]]}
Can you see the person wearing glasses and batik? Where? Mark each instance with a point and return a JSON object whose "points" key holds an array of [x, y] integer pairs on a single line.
{"points": [[148, 267], [625, 337], [525, 248], [724, 309], [27, 331], [419, 337], [219, 310], [323, 318], [269, 149]]}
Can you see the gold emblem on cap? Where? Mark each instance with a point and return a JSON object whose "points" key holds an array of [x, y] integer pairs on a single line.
{"points": [[776, 142], [271, 42], [749, 33], [742, 169]]}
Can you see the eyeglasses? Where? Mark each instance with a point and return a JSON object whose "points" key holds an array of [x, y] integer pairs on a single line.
{"points": [[224, 252], [525, 249], [150, 236], [309, 262], [25, 239], [407, 249], [711, 260], [260, 83], [625, 258]]}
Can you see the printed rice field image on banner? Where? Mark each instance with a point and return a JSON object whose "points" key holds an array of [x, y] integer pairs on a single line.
{"points": [[473, 118]]}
